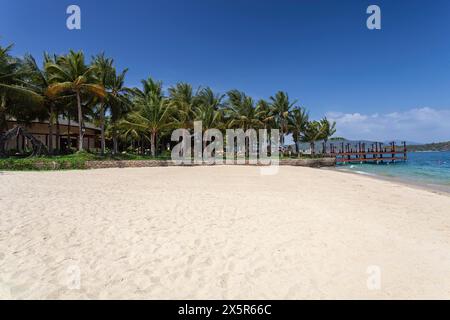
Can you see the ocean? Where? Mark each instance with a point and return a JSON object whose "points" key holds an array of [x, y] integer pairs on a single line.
{"points": [[424, 168]]}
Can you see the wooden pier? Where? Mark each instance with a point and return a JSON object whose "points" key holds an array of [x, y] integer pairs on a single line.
{"points": [[376, 153]]}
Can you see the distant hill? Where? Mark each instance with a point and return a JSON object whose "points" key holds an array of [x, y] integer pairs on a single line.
{"points": [[400, 142], [441, 146], [386, 142]]}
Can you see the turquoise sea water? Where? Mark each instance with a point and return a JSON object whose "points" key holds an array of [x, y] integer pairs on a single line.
{"points": [[426, 168]]}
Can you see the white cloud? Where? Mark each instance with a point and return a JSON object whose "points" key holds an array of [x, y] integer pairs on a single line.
{"points": [[419, 125]]}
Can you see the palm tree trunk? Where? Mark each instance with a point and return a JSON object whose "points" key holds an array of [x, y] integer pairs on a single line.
{"points": [[50, 131], [115, 148], [269, 147], [115, 142], [69, 140], [313, 151], [58, 135], [3, 123], [80, 123], [153, 143], [102, 130]]}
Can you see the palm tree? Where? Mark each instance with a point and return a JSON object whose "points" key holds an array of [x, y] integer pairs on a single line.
{"points": [[149, 87], [242, 114], [281, 107], [209, 109], [119, 102], [8, 67], [71, 74], [241, 111], [183, 100], [264, 113], [328, 129], [104, 68], [132, 133], [152, 113], [298, 120], [312, 133], [116, 100], [37, 81], [30, 88], [15, 92]]}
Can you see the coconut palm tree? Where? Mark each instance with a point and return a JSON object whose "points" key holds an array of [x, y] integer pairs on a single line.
{"points": [[264, 113], [327, 129], [37, 81], [104, 68], [149, 87], [183, 101], [119, 101], [116, 101], [298, 119], [70, 74], [152, 113], [8, 67], [311, 134], [15, 92], [281, 107], [209, 109], [241, 111], [31, 89]]}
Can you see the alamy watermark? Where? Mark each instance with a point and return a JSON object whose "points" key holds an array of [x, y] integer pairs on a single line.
{"points": [[374, 20], [73, 22], [73, 277], [374, 278], [240, 147]]}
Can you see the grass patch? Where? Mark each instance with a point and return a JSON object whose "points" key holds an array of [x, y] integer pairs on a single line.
{"points": [[75, 161]]}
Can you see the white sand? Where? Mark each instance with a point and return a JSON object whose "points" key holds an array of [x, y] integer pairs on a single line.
{"points": [[219, 232]]}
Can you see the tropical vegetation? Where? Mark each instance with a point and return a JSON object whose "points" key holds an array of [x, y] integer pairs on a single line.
{"points": [[135, 120]]}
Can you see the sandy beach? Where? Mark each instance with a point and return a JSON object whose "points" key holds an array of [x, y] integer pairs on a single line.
{"points": [[220, 233]]}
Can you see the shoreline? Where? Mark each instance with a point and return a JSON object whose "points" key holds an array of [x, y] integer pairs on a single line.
{"points": [[434, 188]]}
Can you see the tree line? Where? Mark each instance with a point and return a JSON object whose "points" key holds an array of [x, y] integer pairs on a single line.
{"points": [[69, 87]]}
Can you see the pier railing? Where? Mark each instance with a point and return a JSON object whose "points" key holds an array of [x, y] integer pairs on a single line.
{"points": [[369, 153]]}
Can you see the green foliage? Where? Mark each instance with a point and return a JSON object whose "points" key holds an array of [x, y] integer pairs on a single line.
{"points": [[241, 111], [68, 162], [298, 121], [75, 161], [68, 86]]}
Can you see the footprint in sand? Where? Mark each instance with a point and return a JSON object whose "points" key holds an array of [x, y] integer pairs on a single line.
{"points": [[191, 260]]}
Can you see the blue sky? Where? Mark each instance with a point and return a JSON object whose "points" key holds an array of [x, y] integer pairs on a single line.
{"points": [[379, 84]]}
